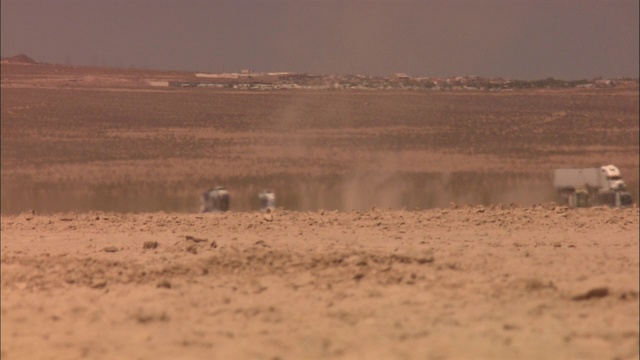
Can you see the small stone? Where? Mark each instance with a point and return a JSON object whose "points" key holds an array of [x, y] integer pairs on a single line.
{"points": [[164, 284], [194, 239], [192, 249], [426, 258], [98, 284], [110, 249], [593, 293], [261, 242], [629, 295], [150, 245], [510, 327]]}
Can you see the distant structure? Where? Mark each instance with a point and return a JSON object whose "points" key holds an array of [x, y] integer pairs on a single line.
{"points": [[267, 200], [215, 200], [19, 59]]}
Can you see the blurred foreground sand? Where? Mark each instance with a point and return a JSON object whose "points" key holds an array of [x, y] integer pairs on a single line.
{"points": [[541, 282]]}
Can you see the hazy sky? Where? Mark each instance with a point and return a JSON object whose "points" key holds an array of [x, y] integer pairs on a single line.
{"points": [[523, 39]]}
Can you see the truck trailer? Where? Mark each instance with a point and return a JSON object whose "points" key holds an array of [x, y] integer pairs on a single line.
{"points": [[592, 186]]}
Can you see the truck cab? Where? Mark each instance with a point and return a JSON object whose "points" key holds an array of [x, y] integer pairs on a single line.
{"points": [[612, 178]]}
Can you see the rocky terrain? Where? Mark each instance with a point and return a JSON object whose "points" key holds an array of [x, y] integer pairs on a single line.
{"points": [[410, 225], [527, 283]]}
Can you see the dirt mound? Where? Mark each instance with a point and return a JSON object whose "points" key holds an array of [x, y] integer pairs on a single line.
{"points": [[19, 59]]}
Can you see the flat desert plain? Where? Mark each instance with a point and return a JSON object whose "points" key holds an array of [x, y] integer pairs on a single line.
{"points": [[411, 225]]}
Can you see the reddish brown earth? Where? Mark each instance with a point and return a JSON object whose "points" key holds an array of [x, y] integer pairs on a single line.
{"points": [[114, 261]]}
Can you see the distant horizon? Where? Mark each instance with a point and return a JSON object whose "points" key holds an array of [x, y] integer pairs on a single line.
{"points": [[316, 74], [524, 39]]}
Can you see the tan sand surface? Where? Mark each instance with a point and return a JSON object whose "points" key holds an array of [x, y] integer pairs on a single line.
{"points": [[104, 256], [540, 282]]}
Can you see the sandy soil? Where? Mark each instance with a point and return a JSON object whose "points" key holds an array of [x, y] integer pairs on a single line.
{"points": [[542, 282], [113, 262]]}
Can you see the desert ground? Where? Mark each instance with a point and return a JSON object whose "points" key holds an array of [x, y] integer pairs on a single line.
{"points": [[410, 224]]}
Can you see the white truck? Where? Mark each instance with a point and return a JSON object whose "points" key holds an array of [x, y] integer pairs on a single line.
{"points": [[592, 186]]}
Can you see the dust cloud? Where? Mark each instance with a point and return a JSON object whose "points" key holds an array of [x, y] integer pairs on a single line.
{"points": [[357, 191]]}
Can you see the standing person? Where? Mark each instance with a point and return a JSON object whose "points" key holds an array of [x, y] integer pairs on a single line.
{"points": [[267, 200], [206, 203], [222, 199]]}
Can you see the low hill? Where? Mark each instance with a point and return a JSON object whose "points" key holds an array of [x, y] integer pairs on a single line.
{"points": [[19, 59]]}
